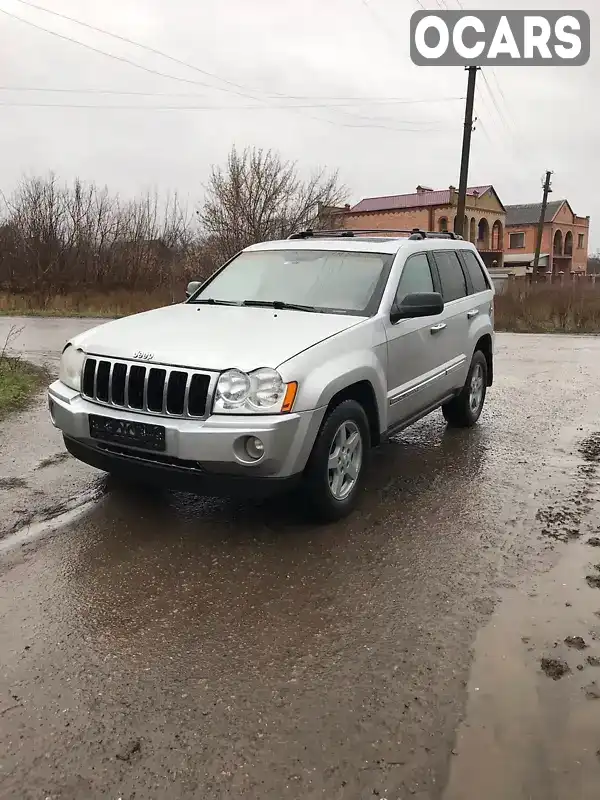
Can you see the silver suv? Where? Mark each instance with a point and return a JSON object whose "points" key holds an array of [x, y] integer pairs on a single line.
{"points": [[286, 366]]}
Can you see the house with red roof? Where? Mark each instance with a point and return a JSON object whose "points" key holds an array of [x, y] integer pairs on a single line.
{"points": [[565, 239], [434, 210]]}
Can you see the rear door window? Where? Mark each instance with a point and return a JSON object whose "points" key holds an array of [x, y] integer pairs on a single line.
{"points": [[476, 274], [451, 275]]}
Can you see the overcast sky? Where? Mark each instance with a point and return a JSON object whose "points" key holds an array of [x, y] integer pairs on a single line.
{"points": [[276, 50]]}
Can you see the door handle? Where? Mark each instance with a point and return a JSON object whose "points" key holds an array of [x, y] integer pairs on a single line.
{"points": [[438, 328], [473, 313]]}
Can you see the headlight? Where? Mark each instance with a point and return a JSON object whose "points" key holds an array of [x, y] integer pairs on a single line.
{"points": [[267, 389], [71, 364], [233, 388], [261, 391]]}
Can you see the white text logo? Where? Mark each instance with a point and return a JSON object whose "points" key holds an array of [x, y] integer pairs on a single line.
{"points": [[496, 38]]}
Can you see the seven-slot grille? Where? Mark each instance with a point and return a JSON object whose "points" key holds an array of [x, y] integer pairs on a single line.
{"points": [[153, 390]]}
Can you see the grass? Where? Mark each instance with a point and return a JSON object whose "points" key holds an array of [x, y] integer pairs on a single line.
{"points": [[118, 303], [19, 382], [542, 308]]}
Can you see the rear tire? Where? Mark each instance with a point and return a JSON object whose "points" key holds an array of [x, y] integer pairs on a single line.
{"points": [[464, 410], [337, 464]]}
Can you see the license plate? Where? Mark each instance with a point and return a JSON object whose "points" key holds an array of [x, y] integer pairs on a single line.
{"points": [[132, 434]]}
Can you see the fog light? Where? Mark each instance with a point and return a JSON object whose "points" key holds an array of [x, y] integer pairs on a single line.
{"points": [[255, 448], [51, 409]]}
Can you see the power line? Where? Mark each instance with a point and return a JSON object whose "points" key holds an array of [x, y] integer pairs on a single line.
{"points": [[484, 103], [171, 58], [500, 91], [503, 145], [120, 58], [384, 30], [478, 122], [186, 108], [223, 108], [162, 74], [71, 90], [133, 63], [212, 107], [148, 48], [343, 101], [495, 77], [337, 124], [496, 105]]}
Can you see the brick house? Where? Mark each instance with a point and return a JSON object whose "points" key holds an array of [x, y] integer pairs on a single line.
{"points": [[435, 210], [564, 241]]}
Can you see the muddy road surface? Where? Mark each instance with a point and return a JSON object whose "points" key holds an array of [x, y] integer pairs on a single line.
{"points": [[443, 643], [39, 481]]}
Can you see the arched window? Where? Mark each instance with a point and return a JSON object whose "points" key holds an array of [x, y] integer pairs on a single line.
{"points": [[483, 234], [569, 244], [497, 235], [473, 230], [558, 244], [443, 224]]}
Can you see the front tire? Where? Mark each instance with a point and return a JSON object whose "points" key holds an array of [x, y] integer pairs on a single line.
{"points": [[464, 410], [337, 464]]}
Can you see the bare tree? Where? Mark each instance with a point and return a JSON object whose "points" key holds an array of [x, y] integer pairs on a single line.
{"points": [[57, 238], [258, 196], [593, 264], [60, 238]]}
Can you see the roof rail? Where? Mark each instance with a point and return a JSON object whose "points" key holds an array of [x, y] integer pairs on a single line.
{"points": [[418, 234], [413, 233]]}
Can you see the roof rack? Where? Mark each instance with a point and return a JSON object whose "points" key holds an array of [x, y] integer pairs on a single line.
{"points": [[414, 233]]}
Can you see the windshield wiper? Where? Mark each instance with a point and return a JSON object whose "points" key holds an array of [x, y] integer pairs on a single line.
{"points": [[210, 301], [279, 304]]}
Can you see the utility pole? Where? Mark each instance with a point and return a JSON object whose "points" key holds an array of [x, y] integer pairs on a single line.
{"points": [[540, 231], [466, 151]]}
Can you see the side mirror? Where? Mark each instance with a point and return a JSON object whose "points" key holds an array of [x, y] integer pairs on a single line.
{"points": [[420, 304], [192, 287]]}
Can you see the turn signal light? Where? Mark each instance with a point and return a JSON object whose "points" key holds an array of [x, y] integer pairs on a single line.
{"points": [[290, 396]]}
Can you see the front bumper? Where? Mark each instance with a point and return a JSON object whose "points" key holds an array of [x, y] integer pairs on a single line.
{"points": [[204, 447]]}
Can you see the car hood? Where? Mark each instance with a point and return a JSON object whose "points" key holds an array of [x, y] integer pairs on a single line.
{"points": [[213, 337]]}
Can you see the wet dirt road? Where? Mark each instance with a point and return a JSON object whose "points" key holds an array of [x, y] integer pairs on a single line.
{"points": [[39, 482], [174, 647]]}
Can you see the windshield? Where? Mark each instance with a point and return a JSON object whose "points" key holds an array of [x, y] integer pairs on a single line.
{"points": [[317, 280]]}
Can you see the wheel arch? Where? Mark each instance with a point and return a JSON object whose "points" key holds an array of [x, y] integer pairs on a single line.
{"points": [[485, 345], [362, 392]]}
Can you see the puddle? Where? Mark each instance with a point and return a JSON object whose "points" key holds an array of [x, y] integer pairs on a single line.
{"points": [[531, 731]]}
